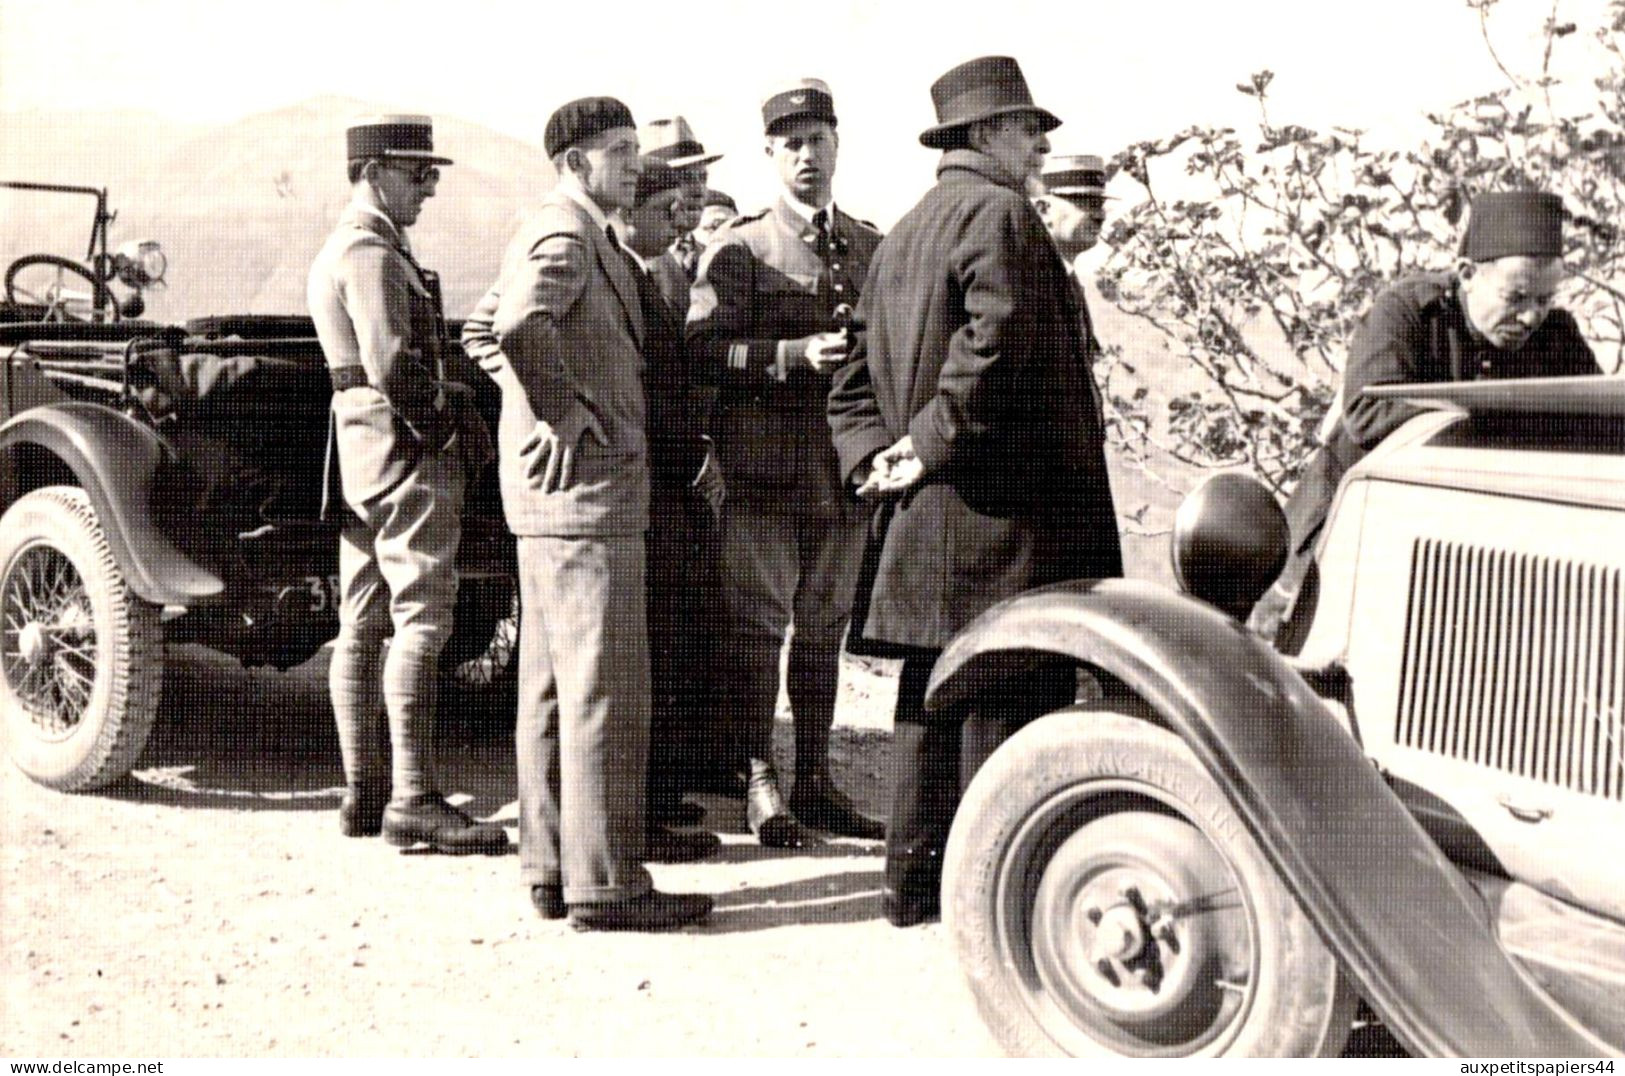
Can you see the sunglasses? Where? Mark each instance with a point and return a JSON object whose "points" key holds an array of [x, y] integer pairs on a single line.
{"points": [[418, 172]]}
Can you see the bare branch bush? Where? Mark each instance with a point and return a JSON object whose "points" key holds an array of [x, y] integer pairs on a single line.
{"points": [[1255, 281]]}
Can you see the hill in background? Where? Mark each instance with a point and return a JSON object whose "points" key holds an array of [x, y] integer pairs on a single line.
{"points": [[242, 209]]}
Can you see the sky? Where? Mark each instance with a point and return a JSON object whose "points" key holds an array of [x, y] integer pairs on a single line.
{"points": [[1114, 71]]}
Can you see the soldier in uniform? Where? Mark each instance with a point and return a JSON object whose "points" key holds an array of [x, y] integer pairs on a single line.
{"points": [[672, 141], [1492, 317], [1070, 196], [769, 319], [407, 437]]}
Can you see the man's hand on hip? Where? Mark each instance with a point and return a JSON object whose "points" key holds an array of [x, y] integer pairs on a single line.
{"points": [[549, 453]]}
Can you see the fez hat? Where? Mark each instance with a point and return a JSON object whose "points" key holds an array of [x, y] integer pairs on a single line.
{"points": [[657, 176], [578, 120], [672, 140], [1074, 175], [1502, 224], [980, 89], [716, 197], [408, 137], [807, 98]]}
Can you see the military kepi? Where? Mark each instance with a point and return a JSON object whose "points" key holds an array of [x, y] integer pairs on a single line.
{"points": [[410, 137], [1503, 224], [576, 121], [1074, 175], [980, 89], [809, 99]]}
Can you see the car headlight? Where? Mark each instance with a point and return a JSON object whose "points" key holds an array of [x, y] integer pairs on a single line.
{"points": [[140, 263]]}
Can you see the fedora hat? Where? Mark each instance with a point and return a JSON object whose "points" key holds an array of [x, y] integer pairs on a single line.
{"points": [[672, 140], [980, 89]]}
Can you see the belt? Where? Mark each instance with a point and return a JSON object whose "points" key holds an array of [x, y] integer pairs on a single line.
{"points": [[347, 377]]}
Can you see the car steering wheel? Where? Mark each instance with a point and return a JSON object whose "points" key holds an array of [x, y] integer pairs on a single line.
{"points": [[43, 280]]}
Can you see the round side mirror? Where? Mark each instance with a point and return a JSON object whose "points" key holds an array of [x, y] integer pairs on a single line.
{"points": [[1230, 542]]}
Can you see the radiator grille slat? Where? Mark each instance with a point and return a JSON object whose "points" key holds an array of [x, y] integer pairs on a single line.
{"points": [[1514, 661]]}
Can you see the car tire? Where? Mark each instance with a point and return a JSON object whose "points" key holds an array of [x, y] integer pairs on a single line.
{"points": [[81, 657], [1105, 900]]}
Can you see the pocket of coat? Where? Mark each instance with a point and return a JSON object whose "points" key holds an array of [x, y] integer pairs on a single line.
{"points": [[376, 452]]}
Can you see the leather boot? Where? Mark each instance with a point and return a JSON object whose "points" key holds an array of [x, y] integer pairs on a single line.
{"points": [[361, 811], [816, 802], [770, 819], [430, 820]]}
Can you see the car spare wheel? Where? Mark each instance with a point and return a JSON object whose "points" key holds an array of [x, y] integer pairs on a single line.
{"points": [[81, 657], [1106, 900]]}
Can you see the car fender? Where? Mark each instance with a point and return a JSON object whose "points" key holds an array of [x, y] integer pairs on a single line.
{"points": [[117, 462], [1403, 921]]}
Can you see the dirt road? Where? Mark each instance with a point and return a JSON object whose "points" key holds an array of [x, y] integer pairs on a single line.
{"points": [[208, 907]]}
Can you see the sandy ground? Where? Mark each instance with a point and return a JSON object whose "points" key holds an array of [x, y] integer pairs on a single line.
{"points": [[208, 906]]}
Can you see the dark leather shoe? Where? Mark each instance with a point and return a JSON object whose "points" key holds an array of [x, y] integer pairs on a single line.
{"points": [[430, 820], [361, 811], [909, 908], [816, 802], [678, 813], [548, 900], [652, 911], [662, 845], [770, 819]]}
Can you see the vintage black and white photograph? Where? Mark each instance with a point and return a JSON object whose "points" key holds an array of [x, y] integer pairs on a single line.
{"points": [[840, 530]]}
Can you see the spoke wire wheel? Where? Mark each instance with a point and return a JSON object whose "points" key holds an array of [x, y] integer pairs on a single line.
{"points": [[1106, 901], [81, 658]]}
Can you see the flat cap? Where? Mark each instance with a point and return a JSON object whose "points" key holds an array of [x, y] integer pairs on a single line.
{"points": [[807, 98], [406, 136], [1074, 174], [657, 176], [671, 139], [1502, 224], [578, 120]]}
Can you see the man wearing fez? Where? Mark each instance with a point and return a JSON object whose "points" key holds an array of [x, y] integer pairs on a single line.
{"points": [[685, 497], [1491, 317], [407, 438], [769, 319], [967, 410], [560, 332], [672, 140]]}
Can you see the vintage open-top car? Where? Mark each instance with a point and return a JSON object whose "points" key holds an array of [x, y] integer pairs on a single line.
{"points": [[164, 483], [1219, 850]]}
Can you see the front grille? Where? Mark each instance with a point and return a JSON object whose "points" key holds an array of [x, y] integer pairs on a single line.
{"points": [[1514, 661]]}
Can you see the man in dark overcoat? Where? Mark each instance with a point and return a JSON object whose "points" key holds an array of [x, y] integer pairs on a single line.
{"points": [[967, 405], [1492, 317]]}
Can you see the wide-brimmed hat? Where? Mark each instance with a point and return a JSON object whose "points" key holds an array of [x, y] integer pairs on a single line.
{"points": [[1074, 175], [408, 137], [671, 139], [980, 89]]}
